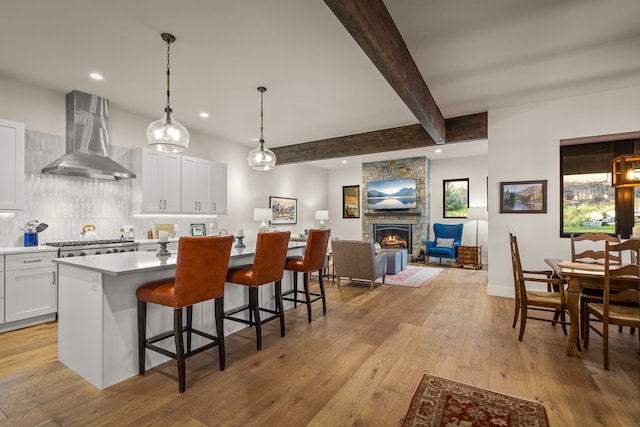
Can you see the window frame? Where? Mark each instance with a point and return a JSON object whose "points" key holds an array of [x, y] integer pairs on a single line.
{"points": [[624, 143], [445, 192]]}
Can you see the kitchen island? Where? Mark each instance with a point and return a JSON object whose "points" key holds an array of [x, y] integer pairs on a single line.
{"points": [[97, 310]]}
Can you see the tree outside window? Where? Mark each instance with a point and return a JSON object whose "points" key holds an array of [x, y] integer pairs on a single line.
{"points": [[455, 198]]}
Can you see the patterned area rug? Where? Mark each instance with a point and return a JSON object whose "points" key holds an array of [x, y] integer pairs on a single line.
{"points": [[413, 276], [442, 403]]}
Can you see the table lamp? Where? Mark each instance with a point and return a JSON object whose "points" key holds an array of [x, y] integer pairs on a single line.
{"points": [[262, 214], [477, 213], [322, 215]]}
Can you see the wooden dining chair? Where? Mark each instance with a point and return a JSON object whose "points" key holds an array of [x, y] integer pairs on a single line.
{"points": [[616, 314], [589, 248], [551, 301]]}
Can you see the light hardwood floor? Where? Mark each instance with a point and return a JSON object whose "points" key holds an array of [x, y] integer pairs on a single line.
{"points": [[358, 365]]}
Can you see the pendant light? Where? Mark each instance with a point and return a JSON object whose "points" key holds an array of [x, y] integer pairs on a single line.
{"points": [[167, 134], [261, 158]]}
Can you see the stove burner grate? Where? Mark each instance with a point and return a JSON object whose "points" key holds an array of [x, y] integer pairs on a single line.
{"points": [[76, 243]]}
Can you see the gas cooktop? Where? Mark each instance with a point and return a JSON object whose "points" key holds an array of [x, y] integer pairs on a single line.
{"points": [[103, 242]]}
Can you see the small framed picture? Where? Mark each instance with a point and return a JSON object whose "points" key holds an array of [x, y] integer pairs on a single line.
{"points": [[351, 201], [523, 197], [283, 210]]}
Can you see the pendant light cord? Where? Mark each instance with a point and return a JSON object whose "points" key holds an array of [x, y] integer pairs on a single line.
{"points": [[168, 77], [261, 89]]}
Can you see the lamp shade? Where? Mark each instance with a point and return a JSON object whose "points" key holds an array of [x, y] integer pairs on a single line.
{"points": [[262, 214], [477, 212], [322, 215]]}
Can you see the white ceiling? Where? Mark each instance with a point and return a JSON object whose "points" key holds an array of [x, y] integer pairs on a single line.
{"points": [[474, 56]]}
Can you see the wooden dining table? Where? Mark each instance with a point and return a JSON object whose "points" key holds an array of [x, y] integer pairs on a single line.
{"points": [[582, 276]]}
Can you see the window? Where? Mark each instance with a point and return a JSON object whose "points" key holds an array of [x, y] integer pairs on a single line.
{"points": [[589, 202], [455, 196]]}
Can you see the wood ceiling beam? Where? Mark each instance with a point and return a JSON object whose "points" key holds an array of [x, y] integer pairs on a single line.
{"points": [[463, 128], [372, 27]]}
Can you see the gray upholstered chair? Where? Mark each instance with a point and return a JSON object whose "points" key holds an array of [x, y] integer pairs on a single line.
{"points": [[357, 259]]}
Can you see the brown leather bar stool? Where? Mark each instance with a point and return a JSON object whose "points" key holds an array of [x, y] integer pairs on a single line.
{"points": [[267, 267], [201, 269], [314, 258]]}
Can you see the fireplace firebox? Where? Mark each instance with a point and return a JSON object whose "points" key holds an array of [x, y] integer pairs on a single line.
{"points": [[393, 235]]}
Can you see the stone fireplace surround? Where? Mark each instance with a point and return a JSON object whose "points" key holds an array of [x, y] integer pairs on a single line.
{"points": [[417, 218]]}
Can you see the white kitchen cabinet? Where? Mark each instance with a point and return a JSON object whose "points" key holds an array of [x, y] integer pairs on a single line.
{"points": [[1, 289], [11, 165], [197, 185], [156, 188], [219, 188], [31, 286]]}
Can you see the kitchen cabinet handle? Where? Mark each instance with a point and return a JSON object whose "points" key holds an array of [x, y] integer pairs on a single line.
{"points": [[214, 206], [54, 278], [195, 205], [31, 261], [160, 204], [165, 205], [199, 206]]}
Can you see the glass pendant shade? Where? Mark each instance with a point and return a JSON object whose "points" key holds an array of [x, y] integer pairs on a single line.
{"points": [[261, 159], [167, 135]]}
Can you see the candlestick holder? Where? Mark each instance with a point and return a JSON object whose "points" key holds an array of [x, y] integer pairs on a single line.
{"points": [[240, 244], [163, 249]]}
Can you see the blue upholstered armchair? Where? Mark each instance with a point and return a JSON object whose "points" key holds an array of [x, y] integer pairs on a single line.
{"points": [[447, 239]]}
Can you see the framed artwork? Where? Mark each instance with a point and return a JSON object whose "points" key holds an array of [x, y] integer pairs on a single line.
{"points": [[523, 197], [351, 201], [283, 210], [455, 198]]}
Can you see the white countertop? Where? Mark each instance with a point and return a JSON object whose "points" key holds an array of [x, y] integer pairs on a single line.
{"points": [[26, 249], [135, 262]]}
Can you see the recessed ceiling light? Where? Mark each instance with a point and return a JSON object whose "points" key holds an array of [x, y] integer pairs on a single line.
{"points": [[204, 115], [344, 161], [438, 150], [96, 76]]}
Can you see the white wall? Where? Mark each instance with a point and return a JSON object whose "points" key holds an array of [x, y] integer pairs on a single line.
{"points": [[44, 111], [474, 168], [524, 145], [344, 228]]}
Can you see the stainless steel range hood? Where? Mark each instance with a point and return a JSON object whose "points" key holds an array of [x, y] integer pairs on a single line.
{"points": [[87, 141]]}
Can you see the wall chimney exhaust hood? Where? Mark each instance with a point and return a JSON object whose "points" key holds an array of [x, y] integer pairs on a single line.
{"points": [[87, 141]]}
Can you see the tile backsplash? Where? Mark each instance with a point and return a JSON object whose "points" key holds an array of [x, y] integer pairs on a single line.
{"points": [[67, 203]]}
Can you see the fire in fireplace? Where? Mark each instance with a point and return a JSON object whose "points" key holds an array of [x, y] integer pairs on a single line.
{"points": [[393, 235]]}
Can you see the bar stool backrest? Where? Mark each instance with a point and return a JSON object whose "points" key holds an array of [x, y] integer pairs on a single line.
{"points": [[201, 268], [270, 257], [315, 252]]}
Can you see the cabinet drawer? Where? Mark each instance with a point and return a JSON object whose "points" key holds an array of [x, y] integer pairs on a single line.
{"points": [[30, 260], [467, 250]]}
